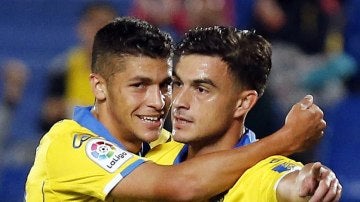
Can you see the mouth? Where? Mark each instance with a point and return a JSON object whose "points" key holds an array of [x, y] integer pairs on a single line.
{"points": [[151, 118], [180, 122]]}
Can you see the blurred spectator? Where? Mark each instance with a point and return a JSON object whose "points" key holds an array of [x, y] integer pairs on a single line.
{"points": [[176, 17], [206, 13], [69, 71], [352, 40], [14, 75], [15, 154], [308, 55], [307, 40], [340, 148], [167, 15]]}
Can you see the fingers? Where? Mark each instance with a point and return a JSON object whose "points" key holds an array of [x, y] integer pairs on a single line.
{"points": [[329, 188], [311, 180], [323, 187], [306, 102], [328, 194], [315, 170], [338, 193], [334, 191]]}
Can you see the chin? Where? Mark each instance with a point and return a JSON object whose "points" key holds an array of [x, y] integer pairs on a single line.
{"points": [[177, 136], [150, 136]]}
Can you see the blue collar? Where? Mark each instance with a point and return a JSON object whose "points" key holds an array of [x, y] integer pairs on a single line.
{"points": [[248, 137], [83, 116]]}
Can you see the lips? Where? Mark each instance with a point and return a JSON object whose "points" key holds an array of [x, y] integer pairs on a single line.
{"points": [[152, 121], [150, 118], [181, 121]]}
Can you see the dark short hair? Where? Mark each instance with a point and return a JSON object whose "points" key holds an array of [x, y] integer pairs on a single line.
{"points": [[247, 54], [128, 36]]}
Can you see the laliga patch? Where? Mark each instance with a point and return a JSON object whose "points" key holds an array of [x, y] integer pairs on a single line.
{"points": [[106, 154]]}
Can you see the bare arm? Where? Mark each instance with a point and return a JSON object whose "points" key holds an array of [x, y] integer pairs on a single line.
{"points": [[313, 182], [211, 174]]}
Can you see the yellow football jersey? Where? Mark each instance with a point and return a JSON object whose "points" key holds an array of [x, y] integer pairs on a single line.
{"points": [[74, 164], [78, 160], [257, 184]]}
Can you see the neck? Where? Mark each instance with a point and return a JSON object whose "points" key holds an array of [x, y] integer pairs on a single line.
{"points": [[129, 141], [220, 142]]}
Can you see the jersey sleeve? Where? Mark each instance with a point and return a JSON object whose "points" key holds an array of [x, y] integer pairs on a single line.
{"points": [[87, 165], [259, 182]]}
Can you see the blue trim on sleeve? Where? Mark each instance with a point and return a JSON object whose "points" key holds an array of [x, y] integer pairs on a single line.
{"points": [[132, 167], [83, 116]]}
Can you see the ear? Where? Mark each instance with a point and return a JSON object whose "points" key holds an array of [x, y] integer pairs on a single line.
{"points": [[245, 103], [98, 86]]}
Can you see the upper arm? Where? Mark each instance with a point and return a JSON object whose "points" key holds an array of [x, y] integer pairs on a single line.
{"points": [[150, 181], [259, 182]]}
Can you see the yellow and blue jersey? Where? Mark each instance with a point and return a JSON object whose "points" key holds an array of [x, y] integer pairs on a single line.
{"points": [[79, 160], [257, 184]]}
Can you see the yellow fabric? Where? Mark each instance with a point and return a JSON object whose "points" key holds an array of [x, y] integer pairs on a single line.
{"points": [[257, 184], [165, 136], [65, 171], [78, 90], [165, 154]]}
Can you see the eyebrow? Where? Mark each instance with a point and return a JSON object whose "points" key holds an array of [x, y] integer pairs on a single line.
{"points": [[203, 81], [141, 78], [197, 81], [149, 80]]}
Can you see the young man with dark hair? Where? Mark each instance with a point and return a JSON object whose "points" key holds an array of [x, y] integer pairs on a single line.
{"points": [[97, 156], [220, 73]]}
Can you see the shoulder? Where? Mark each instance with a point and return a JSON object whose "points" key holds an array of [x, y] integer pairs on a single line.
{"points": [[63, 136], [165, 153], [258, 182]]}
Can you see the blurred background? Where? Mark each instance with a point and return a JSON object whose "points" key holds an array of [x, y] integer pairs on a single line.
{"points": [[45, 48]]}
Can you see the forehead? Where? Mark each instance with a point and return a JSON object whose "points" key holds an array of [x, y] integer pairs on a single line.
{"points": [[143, 67], [201, 66]]}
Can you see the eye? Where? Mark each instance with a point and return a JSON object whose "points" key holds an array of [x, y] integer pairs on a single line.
{"points": [[138, 85], [201, 90]]}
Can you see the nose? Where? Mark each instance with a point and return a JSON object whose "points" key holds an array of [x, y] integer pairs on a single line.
{"points": [[181, 98], [155, 98]]}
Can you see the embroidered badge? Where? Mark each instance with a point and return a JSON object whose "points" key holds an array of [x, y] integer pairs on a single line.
{"points": [[285, 167], [106, 154]]}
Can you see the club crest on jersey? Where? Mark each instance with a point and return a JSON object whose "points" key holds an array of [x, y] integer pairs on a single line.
{"points": [[106, 154]]}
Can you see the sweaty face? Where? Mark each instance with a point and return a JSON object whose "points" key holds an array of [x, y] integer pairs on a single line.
{"points": [[139, 98], [204, 99]]}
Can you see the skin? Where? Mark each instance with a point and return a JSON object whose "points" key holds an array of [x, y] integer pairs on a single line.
{"points": [[135, 100], [203, 88], [204, 91], [135, 90]]}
